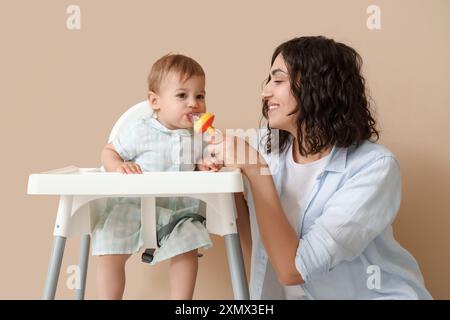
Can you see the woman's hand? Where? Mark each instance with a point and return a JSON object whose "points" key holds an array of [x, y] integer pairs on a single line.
{"points": [[209, 165], [128, 167], [233, 152]]}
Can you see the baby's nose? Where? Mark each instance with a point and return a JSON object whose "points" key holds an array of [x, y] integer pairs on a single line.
{"points": [[192, 103]]}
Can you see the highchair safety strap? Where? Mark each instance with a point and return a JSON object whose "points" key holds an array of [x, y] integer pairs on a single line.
{"points": [[167, 229], [147, 256]]}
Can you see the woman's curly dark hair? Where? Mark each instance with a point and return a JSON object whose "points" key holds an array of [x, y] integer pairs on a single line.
{"points": [[332, 106]]}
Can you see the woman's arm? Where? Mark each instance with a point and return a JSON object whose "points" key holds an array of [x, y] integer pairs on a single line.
{"points": [[279, 238], [243, 225]]}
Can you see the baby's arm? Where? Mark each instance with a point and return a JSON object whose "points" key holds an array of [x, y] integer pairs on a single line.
{"points": [[112, 161]]}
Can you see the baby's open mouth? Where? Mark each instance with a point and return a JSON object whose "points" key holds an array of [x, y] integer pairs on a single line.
{"points": [[193, 116]]}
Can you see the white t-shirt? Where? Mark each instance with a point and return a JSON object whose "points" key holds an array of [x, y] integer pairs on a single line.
{"points": [[296, 187]]}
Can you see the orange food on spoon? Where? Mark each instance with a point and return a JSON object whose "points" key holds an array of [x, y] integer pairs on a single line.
{"points": [[204, 123]]}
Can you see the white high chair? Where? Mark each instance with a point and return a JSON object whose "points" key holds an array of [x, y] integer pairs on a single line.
{"points": [[77, 212]]}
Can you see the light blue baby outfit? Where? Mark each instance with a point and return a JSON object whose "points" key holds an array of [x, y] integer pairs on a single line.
{"points": [[154, 148]]}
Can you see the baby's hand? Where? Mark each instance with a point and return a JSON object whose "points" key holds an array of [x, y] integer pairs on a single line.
{"points": [[209, 165], [129, 168]]}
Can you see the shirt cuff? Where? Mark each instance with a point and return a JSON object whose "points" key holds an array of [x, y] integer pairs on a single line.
{"points": [[313, 258], [121, 151]]}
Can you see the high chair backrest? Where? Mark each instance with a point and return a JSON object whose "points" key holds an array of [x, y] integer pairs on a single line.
{"points": [[141, 109]]}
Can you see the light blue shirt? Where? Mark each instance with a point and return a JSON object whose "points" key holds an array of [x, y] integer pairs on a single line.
{"points": [[346, 247], [155, 148]]}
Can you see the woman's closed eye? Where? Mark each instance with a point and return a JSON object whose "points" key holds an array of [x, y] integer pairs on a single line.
{"points": [[277, 81]]}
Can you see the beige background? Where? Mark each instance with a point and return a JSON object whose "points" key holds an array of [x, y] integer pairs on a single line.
{"points": [[62, 90]]}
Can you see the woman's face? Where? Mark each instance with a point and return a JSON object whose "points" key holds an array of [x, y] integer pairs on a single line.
{"points": [[279, 98]]}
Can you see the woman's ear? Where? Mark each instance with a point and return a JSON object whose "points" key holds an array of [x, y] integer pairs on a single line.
{"points": [[153, 99]]}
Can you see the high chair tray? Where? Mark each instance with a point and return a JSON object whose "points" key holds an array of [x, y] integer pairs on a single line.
{"points": [[93, 181]]}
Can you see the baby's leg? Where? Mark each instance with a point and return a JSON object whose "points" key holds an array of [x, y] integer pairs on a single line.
{"points": [[111, 276], [183, 273]]}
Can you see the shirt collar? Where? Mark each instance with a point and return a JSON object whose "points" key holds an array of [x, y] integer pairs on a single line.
{"points": [[338, 160]]}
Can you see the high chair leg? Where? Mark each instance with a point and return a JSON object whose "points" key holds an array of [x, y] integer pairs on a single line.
{"points": [[236, 266], [83, 265], [54, 267]]}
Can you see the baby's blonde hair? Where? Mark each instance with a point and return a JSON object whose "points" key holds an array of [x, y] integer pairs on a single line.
{"points": [[186, 67]]}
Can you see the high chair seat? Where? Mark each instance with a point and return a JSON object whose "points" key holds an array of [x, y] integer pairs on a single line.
{"points": [[83, 193]]}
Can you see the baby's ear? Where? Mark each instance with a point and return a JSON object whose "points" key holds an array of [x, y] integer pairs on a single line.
{"points": [[153, 99]]}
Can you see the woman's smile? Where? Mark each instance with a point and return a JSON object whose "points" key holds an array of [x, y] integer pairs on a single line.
{"points": [[272, 106]]}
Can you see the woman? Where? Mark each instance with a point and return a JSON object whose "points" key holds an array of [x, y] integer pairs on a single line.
{"points": [[321, 222]]}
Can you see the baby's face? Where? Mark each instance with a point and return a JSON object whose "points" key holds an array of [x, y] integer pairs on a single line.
{"points": [[178, 99]]}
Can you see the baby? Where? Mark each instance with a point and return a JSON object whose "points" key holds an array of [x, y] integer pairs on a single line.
{"points": [[176, 91]]}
